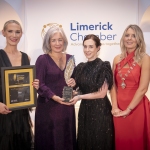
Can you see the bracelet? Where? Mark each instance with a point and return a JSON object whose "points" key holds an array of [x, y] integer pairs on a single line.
{"points": [[129, 108]]}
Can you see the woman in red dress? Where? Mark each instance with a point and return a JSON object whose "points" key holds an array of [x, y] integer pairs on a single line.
{"points": [[130, 106]]}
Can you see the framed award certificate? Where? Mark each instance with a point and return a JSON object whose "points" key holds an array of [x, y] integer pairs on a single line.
{"points": [[17, 89]]}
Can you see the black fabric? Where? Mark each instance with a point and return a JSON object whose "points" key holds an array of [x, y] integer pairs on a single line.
{"points": [[4, 61], [15, 127], [95, 122]]}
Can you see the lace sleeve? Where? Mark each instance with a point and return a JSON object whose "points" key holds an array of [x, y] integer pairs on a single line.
{"points": [[77, 72], [105, 74]]}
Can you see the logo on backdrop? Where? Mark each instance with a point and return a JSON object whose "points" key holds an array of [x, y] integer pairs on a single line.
{"points": [[78, 30]]}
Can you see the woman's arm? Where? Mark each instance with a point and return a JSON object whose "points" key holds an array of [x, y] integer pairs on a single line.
{"points": [[41, 70], [101, 93], [44, 90], [143, 86], [113, 91], [95, 95]]}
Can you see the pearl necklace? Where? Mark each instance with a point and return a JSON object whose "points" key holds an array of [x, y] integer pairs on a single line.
{"points": [[123, 77]]}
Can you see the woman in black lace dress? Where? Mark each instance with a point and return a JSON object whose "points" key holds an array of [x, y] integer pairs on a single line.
{"points": [[94, 78]]}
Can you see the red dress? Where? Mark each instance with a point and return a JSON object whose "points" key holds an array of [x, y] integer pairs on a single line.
{"points": [[132, 132]]}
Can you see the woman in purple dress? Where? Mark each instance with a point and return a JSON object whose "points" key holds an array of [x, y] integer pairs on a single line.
{"points": [[54, 119]]}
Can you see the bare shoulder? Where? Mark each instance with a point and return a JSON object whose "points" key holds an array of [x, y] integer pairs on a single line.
{"points": [[117, 59], [145, 60], [145, 57]]}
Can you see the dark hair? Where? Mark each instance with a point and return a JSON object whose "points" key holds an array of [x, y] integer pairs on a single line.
{"points": [[94, 38]]}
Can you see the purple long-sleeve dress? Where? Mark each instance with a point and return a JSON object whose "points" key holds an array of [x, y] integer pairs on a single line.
{"points": [[54, 122]]}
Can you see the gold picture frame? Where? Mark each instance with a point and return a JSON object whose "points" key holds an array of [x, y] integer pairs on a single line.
{"points": [[17, 89]]}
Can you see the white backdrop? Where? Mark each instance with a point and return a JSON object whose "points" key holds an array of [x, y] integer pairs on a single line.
{"points": [[85, 12], [111, 17]]}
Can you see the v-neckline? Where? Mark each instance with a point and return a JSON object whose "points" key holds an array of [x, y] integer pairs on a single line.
{"points": [[8, 60], [56, 64]]}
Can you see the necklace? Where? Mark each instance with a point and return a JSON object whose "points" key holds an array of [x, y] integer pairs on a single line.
{"points": [[123, 77]]}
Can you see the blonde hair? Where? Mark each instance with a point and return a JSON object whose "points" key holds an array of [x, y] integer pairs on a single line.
{"points": [[11, 21], [141, 47]]}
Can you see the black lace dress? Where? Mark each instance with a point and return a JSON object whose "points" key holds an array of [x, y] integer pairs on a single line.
{"points": [[95, 122]]}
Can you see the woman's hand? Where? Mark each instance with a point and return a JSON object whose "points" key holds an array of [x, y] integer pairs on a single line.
{"points": [[71, 82], [59, 100], [74, 99], [35, 83], [115, 111], [4, 109], [123, 113]]}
